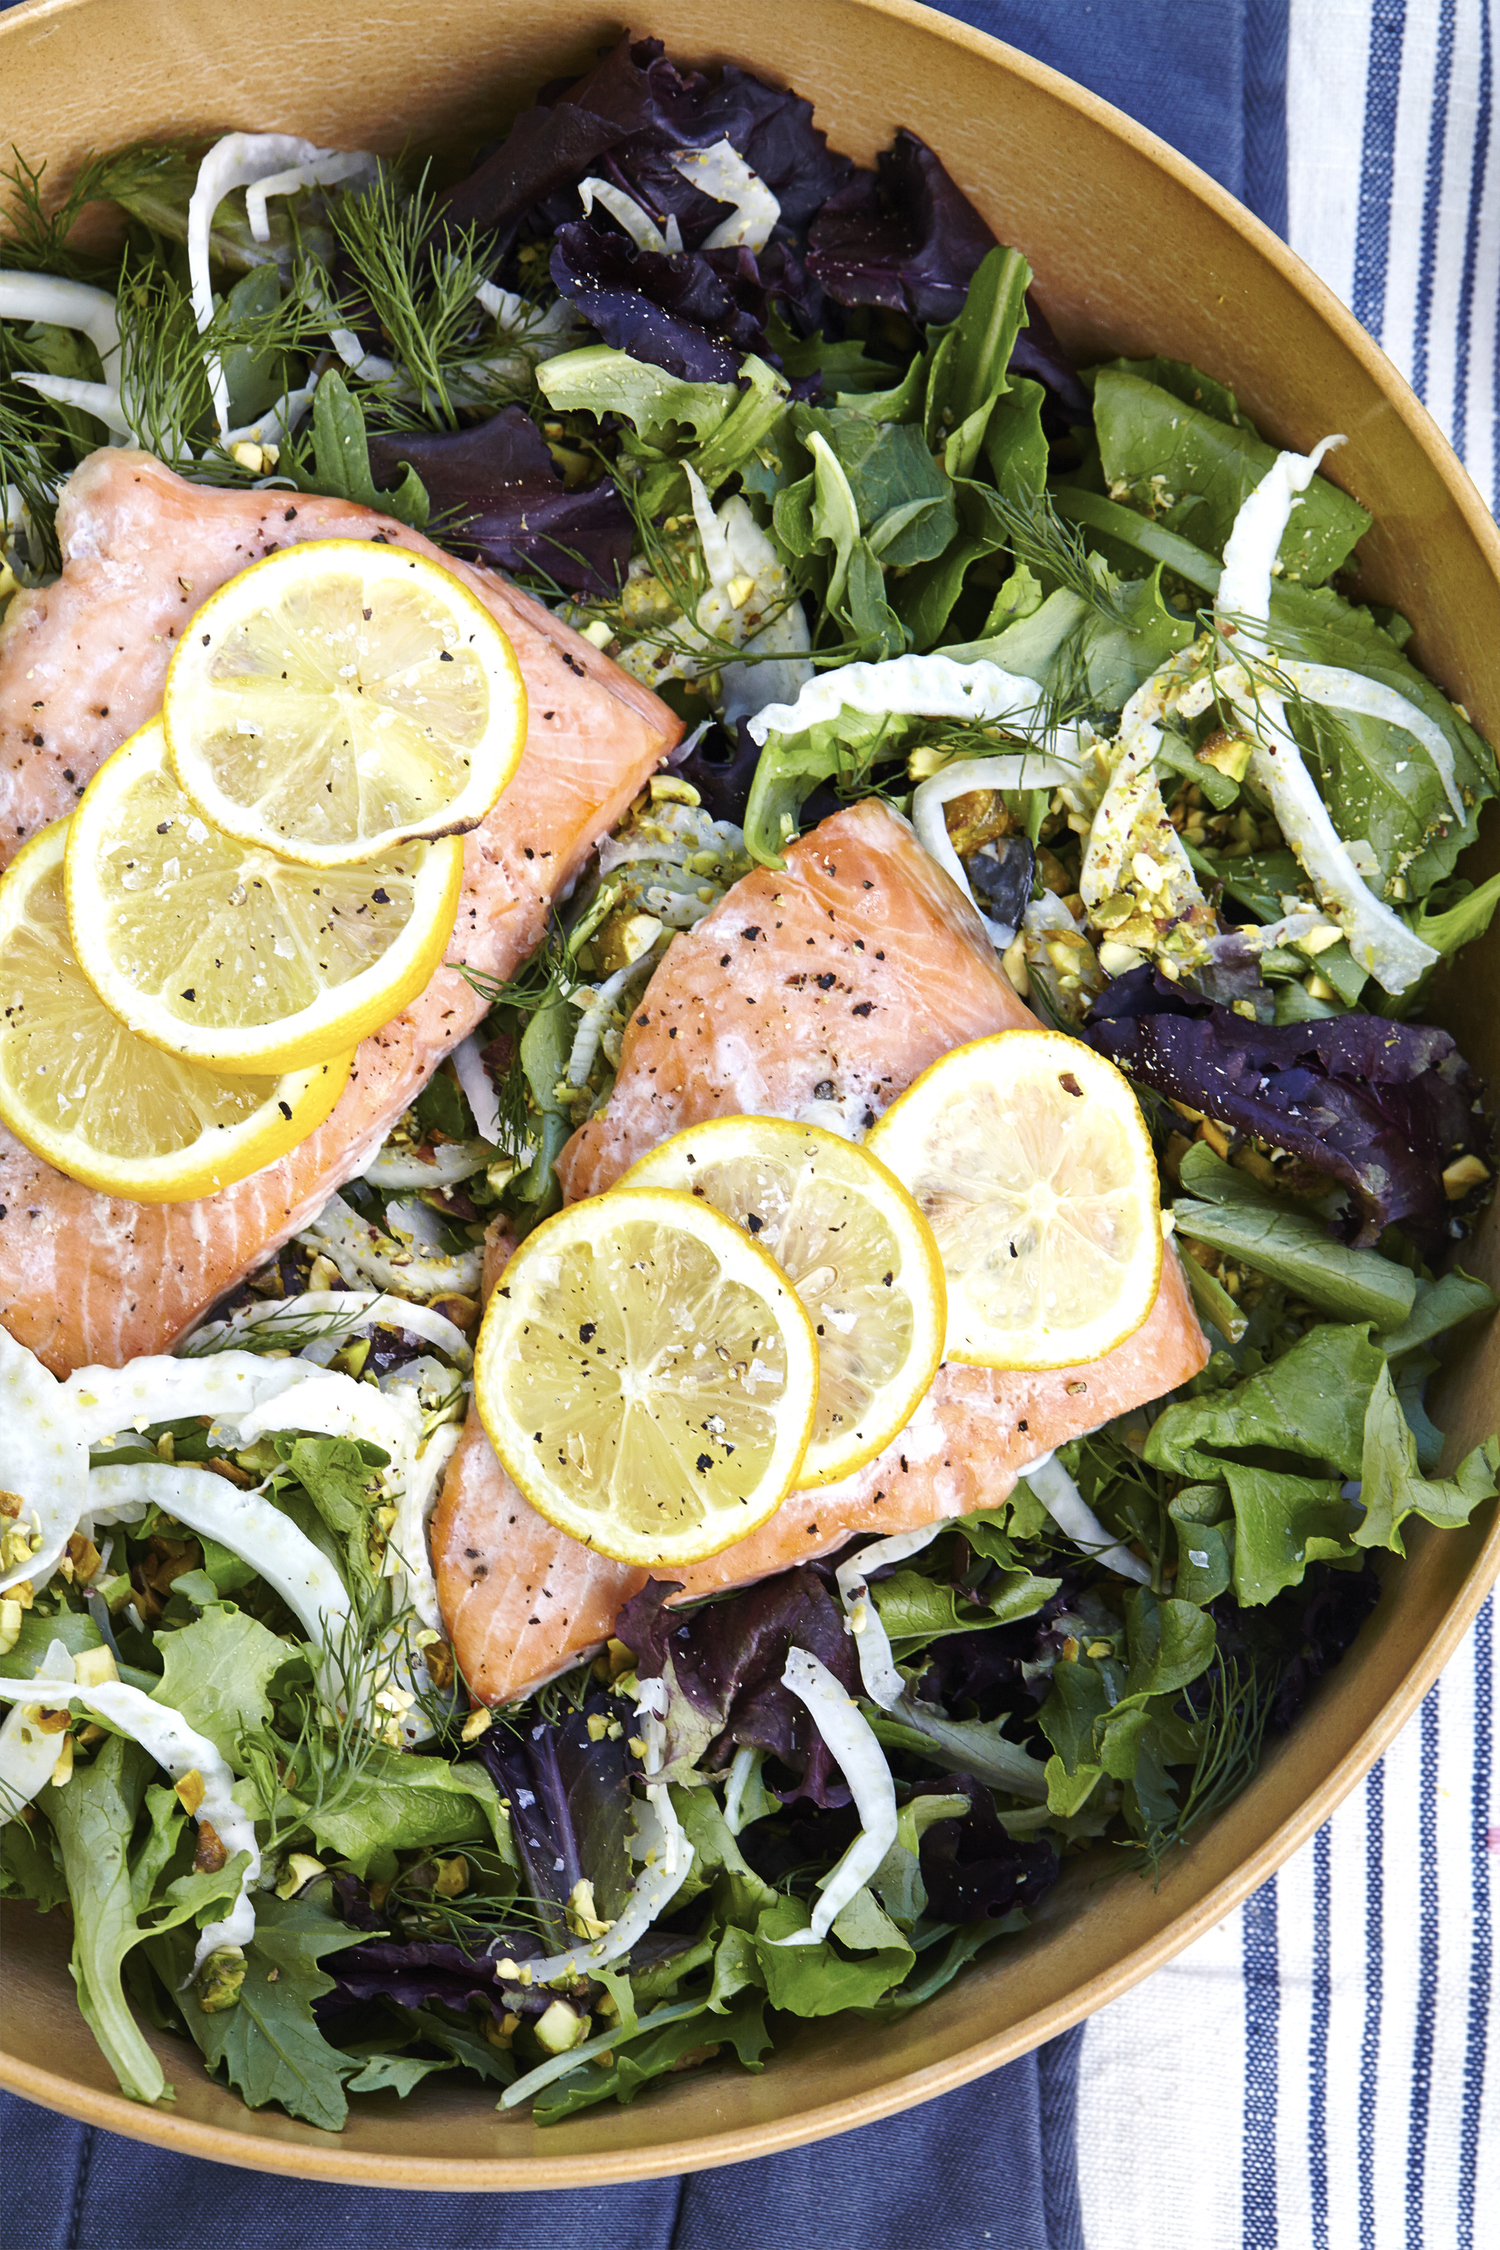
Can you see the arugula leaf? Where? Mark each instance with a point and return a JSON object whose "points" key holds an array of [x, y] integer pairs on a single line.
{"points": [[966, 381], [915, 1609], [268, 2044], [1203, 1521], [1170, 1643], [387, 2073], [93, 1817], [819, 1980], [73, 1627], [716, 428], [1142, 534], [1393, 1487], [1440, 1305], [341, 452], [1309, 1403], [27, 1867], [718, 1863], [1461, 923], [1282, 1523], [217, 1672], [647, 2057], [463, 2040], [405, 1801], [1297, 1251], [1193, 471], [903, 501]]}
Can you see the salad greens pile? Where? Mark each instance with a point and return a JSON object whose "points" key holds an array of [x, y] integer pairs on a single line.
{"points": [[794, 442]]}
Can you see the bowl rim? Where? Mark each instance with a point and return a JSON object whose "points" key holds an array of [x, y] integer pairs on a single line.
{"points": [[295, 2158]]}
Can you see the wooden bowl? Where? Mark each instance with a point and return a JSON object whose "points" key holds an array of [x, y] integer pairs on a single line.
{"points": [[1136, 251]]}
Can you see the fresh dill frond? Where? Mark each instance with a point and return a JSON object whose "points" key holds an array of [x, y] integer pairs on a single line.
{"points": [[547, 978], [282, 1331], [1232, 1727], [1040, 538], [30, 444], [419, 281], [164, 362], [38, 239]]}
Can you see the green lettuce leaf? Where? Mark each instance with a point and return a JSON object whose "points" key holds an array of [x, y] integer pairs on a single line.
{"points": [[1310, 1403], [1393, 1486], [39, 1628], [915, 1609], [1230, 1212], [1193, 471], [217, 1672], [402, 1801], [268, 2045], [819, 1980], [716, 428], [94, 1816]]}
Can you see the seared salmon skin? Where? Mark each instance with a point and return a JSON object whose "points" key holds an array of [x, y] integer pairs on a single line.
{"points": [[87, 1279], [820, 991]]}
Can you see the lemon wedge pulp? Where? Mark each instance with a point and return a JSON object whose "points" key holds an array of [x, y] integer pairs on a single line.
{"points": [[105, 1107], [856, 1248], [1029, 1158], [648, 1377]]}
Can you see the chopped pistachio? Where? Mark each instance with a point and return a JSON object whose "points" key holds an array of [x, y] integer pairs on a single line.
{"points": [[95, 1667], [191, 1791], [11, 1614], [560, 2028], [476, 1724], [298, 1869], [1464, 1173], [452, 1877], [220, 1980]]}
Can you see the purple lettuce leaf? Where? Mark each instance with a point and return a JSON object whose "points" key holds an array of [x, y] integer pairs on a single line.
{"points": [[570, 1804], [903, 237], [631, 108], [695, 315], [726, 1664], [1379, 1106], [980, 1675], [502, 490], [971, 1868]]}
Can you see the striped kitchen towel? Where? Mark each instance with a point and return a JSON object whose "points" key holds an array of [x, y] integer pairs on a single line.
{"points": [[1312, 2074]]}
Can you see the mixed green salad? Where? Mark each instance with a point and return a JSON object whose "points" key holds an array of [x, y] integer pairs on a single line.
{"points": [[794, 442]]}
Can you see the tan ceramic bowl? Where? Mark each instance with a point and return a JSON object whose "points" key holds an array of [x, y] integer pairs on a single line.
{"points": [[1136, 251]]}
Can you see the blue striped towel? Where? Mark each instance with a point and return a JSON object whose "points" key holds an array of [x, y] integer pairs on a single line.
{"points": [[1312, 2074]]}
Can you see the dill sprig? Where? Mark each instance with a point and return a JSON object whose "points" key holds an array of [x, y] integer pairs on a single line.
{"points": [[1233, 1726], [418, 281], [38, 239], [1040, 538], [164, 362], [282, 1331], [543, 980]]}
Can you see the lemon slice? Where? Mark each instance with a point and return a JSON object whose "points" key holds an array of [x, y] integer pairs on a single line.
{"points": [[1030, 1160], [855, 1247], [648, 1376], [339, 698], [107, 1108], [224, 955]]}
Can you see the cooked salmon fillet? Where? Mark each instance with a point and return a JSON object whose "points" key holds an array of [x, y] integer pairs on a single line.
{"points": [[832, 983], [88, 1279]]}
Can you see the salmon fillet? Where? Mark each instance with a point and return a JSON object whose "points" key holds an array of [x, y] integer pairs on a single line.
{"points": [[758, 1010], [88, 1279]]}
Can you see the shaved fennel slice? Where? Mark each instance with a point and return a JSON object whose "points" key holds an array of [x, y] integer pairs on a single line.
{"points": [[338, 1313], [720, 171], [1378, 938], [233, 162], [27, 1756], [98, 399], [406, 1552], [598, 1003], [452, 1162], [105, 1400], [320, 171], [1018, 769], [1340, 689], [1131, 818], [178, 1748], [929, 687], [479, 1089], [747, 579], [250, 1527], [1065, 1504], [877, 1666], [852, 1743], [65, 304], [45, 1466], [1252, 548], [632, 216], [330, 1405], [346, 1241]]}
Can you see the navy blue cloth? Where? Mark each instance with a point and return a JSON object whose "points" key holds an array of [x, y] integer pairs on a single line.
{"points": [[994, 2162]]}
